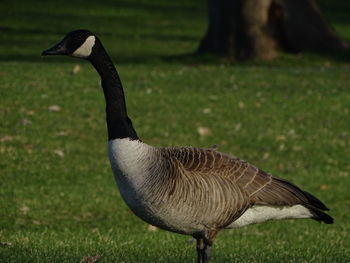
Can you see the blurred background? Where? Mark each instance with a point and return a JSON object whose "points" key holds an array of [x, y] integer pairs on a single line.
{"points": [[267, 82]]}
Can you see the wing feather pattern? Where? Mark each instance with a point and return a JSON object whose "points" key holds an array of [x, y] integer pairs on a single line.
{"points": [[226, 186]]}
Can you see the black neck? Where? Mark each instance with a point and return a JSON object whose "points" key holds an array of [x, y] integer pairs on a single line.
{"points": [[118, 123]]}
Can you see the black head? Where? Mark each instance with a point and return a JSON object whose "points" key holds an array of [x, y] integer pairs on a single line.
{"points": [[78, 43]]}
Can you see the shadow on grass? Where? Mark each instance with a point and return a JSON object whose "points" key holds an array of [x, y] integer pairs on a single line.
{"points": [[128, 28], [190, 58], [284, 58]]}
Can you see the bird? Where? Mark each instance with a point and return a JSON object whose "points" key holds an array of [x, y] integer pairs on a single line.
{"points": [[184, 189]]}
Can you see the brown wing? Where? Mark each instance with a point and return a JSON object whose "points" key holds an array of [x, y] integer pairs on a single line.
{"points": [[257, 186], [200, 186]]}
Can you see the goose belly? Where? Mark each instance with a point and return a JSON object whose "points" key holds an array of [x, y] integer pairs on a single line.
{"points": [[153, 210], [132, 163], [135, 199]]}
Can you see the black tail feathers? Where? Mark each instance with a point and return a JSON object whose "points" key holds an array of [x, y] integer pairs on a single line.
{"points": [[320, 216], [311, 202]]}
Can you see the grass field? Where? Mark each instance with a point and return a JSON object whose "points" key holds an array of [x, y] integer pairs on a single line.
{"points": [[58, 199]]}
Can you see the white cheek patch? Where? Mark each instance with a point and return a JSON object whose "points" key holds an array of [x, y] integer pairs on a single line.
{"points": [[85, 49]]}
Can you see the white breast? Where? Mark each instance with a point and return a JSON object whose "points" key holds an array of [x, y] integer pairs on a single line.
{"points": [[130, 161], [133, 165]]}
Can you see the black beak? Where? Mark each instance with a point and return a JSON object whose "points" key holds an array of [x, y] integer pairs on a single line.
{"points": [[58, 49]]}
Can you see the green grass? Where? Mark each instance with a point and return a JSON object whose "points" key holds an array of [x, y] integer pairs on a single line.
{"points": [[58, 198]]}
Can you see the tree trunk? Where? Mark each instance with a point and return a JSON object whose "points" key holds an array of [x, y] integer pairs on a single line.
{"points": [[259, 28]]}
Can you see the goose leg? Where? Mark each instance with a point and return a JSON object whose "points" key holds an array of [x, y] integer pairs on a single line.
{"points": [[203, 251], [204, 243]]}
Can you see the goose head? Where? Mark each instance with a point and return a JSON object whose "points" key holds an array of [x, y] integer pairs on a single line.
{"points": [[78, 43]]}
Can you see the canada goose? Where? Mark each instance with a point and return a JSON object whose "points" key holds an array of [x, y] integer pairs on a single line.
{"points": [[186, 190]]}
